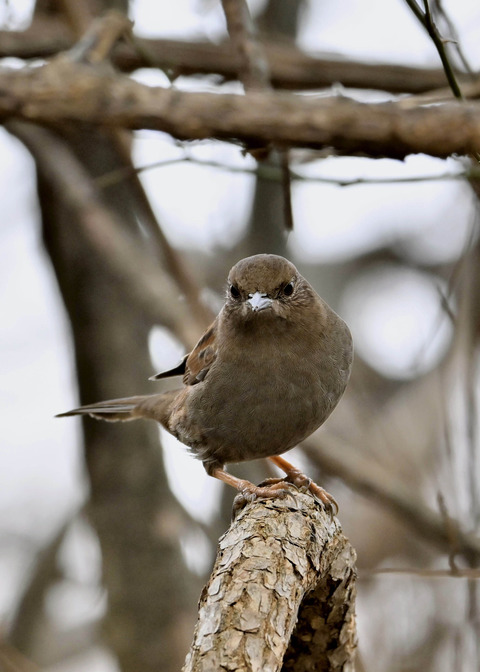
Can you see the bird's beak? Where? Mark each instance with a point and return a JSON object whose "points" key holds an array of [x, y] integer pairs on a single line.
{"points": [[259, 301]]}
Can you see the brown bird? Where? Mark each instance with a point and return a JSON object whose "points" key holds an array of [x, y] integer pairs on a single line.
{"points": [[265, 375]]}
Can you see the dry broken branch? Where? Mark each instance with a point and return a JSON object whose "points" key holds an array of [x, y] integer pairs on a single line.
{"points": [[281, 594]]}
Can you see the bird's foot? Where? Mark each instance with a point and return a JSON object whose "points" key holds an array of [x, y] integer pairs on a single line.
{"points": [[248, 492], [269, 489], [275, 487], [328, 500], [304, 484]]}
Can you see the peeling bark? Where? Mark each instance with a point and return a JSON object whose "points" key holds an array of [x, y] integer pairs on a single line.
{"points": [[281, 594]]}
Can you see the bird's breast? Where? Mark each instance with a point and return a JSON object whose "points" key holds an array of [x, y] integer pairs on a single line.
{"points": [[260, 401]]}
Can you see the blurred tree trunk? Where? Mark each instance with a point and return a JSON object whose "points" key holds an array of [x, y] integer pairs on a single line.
{"points": [[130, 507], [150, 594]]}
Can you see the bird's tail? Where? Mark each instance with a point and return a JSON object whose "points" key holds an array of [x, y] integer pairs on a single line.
{"points": [[153, 406]]}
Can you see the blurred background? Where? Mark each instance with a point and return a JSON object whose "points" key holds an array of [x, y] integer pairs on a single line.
{"points": [[107, 533]]}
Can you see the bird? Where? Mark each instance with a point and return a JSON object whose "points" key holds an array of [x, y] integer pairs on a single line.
{"points": [[262, 378]]}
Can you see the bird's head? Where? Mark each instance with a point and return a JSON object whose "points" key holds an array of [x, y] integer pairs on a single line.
{"points": [[265, 285]]}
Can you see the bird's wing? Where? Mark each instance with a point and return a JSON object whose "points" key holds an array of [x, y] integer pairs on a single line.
{"points": [[201, 358], [196, 364], [178, 370]]}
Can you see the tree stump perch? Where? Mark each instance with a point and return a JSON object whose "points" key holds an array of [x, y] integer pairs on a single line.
{"points": [[281, 595]]}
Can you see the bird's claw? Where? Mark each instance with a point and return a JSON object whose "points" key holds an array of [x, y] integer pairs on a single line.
{"points": [[305, 484], [302, 486], [324, 498], [271, 488]]}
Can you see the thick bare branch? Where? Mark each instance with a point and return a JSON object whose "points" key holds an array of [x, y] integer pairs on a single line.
{"points": [[63, 91], [281, 594], [290, 68]]}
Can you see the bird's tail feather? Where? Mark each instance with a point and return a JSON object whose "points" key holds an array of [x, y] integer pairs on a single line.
{"points": [[150, 406], [112, 410]]}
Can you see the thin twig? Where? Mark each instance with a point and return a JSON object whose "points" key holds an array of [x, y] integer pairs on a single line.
{"points": [[451, 530], [470, 90], [426, 19], [272, 172], [27, 619], [441, 11], [99, 39], [254, 72], [173, 261], [287, 190]]}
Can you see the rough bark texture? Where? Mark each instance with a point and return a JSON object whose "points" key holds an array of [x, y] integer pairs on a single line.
{"points": [[282, 593], [63, 91]]}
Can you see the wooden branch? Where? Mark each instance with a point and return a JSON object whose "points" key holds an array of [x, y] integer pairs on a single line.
{"points": [[369, 480], [290, 68], [63, 91], [281, 594], [440, 43]]}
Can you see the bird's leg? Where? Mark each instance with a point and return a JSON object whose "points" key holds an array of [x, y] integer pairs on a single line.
{"points": [[299, 479], [279, 488]]}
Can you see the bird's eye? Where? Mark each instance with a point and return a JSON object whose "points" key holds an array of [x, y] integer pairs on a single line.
{"points": [[288, 289], [234, 292]]}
